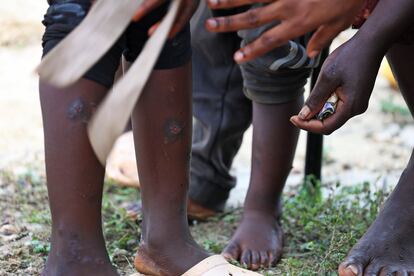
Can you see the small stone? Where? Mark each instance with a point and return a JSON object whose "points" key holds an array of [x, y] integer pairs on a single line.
{"points": [[9, 238], [8, 230], [120, 255]]}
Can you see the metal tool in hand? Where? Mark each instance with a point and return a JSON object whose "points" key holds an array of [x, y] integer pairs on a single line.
{"points": [[329, 108]]}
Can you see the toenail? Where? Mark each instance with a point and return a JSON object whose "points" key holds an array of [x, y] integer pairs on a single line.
{"points": [[353, 268]]}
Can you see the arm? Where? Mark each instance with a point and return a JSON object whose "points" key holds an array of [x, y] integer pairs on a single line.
{"points": [[351, 70], [327, 17]]}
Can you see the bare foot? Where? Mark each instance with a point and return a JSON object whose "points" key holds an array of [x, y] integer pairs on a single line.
{"points": [[387, 248], [170, 258], [258, 242]]}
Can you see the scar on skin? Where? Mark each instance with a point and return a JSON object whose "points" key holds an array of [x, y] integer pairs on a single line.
{"points": [[173, 131], [79, 110]]}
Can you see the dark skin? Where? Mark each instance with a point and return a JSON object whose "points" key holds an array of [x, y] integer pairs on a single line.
{"points": [[262, 246], [163, 154], [387, 248], [353, 81], [297, 17], [75, 180], [187, 9], [75, 177], [162, 132], [392, 230]]}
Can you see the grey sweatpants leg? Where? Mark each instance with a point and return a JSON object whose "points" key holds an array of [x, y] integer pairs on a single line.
{"points": [[221, 110]]}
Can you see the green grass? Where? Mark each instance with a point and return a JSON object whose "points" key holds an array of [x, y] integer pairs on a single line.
{"points": [[390, 107], [321, 224], [319, 230]]}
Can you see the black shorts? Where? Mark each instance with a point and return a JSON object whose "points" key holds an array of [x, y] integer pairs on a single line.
{"points": [[64, 15]]}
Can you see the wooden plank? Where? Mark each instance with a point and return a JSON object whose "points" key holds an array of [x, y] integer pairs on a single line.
{"points": [[85, 45]]}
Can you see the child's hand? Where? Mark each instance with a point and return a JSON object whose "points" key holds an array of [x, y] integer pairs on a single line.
{"points": [[328, 17], [187, 9], [350, 72]]}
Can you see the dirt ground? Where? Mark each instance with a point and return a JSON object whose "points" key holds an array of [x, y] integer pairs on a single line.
{"points": [[372, 148]]}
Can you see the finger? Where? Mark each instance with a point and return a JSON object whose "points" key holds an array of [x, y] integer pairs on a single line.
{"points": [[187, 10], [146, 7], [225, 4], [252, 18], [323, 38], [153, 28], [325, 86], [326, 126], [273, 38]]}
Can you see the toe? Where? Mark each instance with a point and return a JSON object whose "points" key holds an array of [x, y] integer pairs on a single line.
{"points": [[355, 264], [246, 258], [272, 258], [255, 260], [372, 269], [387, 271], [231, 252], [350, 269], [264, 259]]}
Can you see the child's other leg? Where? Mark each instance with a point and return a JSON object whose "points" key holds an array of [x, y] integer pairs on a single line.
{"points": [[387, 248], [275, 83], [75, 180], [162, 123], [259, 239]]}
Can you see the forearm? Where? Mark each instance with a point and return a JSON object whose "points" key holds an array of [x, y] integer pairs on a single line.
{"points": [[388, 22]]}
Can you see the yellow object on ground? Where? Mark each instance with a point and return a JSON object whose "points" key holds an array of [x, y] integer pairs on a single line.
{"points": [[388, 74], [121, 166]]}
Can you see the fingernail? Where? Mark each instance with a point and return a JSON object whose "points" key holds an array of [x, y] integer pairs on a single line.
{"points": [[213, 2], [304, 113], [353, 268], [313, 54], [239, 56], [212, 23]]}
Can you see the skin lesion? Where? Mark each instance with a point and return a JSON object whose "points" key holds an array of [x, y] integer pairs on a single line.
{"points": [[80, 111], [173, 130]]}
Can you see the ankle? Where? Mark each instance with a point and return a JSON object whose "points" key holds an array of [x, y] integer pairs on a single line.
{"points": [[263, 209], [85, 264], [259, 214], [159, 243]]}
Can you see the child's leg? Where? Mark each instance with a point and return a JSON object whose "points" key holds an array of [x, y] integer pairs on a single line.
{"points": [[258, 240], [74, 175], [388, 245], [162, 124], [275, 83], [75, 180]]}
